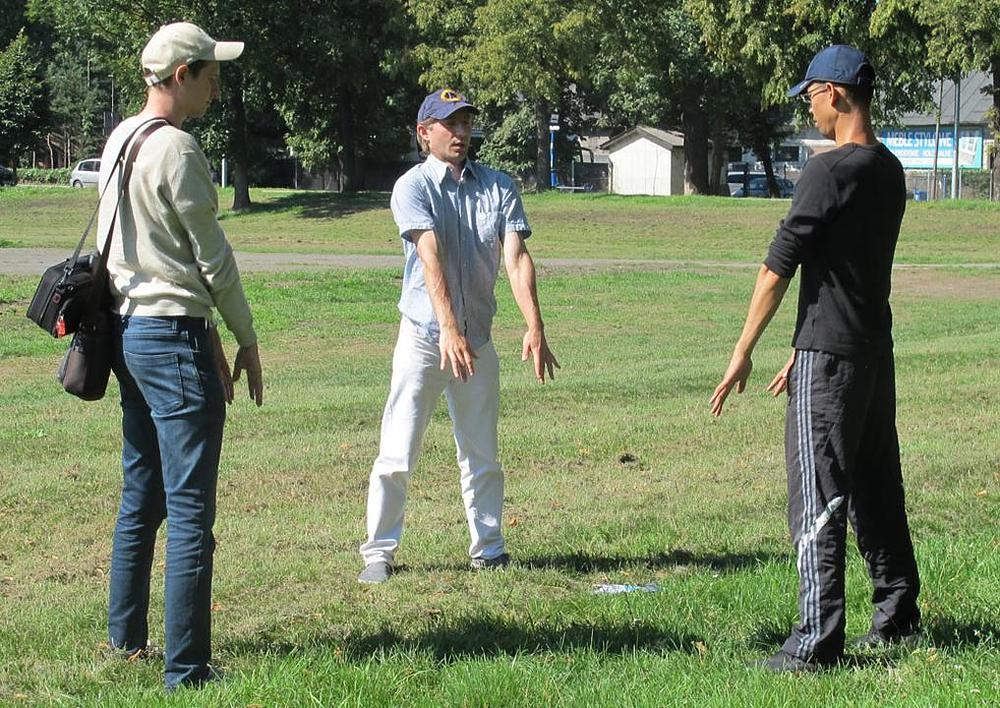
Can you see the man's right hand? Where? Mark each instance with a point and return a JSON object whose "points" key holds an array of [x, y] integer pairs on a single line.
{"points": [[248, 358], [455, 350], [736, 377]]}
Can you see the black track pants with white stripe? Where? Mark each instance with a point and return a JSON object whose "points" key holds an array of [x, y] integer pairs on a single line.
{"points": [[842, 455]]}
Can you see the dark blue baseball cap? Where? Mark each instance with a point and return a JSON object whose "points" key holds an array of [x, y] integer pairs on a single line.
{"points": [[839, 64], [442, 104]]}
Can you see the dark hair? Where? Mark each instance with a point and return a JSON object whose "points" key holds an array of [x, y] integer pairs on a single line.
{"points": [[860, 96], [194, 67]]}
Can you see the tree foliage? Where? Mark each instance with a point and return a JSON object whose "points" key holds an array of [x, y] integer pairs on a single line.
{"points": [[339, 81], [23, 99]]}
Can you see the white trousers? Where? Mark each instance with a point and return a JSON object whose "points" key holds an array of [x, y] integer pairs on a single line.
{"points": [[474, 406]]}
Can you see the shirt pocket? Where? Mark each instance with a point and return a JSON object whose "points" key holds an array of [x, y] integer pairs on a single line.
{"points": [[488, 226]]}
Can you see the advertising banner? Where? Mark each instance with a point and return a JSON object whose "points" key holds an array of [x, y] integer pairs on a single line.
{"points": [[915, 147]]}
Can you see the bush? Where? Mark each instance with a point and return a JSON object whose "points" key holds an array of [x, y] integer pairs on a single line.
{"points": [[36, 175], [976, 184]]}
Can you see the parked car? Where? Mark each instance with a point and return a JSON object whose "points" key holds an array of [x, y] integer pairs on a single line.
{"points": [[85, 173], [758, 188], [7, 177], [734, 178]]}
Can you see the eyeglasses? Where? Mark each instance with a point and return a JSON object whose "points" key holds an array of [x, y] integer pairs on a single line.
{"points": [[808, 96]]}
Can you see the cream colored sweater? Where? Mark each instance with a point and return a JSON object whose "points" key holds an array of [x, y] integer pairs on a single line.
{"points": [[169, 255]]}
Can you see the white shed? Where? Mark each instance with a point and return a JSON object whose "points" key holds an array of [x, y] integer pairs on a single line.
{"points": [[646, 160]]}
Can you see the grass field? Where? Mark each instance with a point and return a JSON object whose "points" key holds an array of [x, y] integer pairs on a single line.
{"points": [[615, 473], [570, 226]]}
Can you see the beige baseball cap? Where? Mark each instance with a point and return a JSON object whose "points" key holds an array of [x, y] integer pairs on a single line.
{"points": [[182, 43]]}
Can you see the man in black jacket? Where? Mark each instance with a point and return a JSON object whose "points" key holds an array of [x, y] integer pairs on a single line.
{"points": [[841, 448]]}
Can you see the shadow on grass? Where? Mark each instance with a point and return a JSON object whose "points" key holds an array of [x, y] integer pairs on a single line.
{"points": [[488, 636], [950, 633], [939, 632], [719, 562], [317, 205]]}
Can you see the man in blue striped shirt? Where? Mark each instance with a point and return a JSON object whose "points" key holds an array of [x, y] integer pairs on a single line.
{"points": [[457, 219]]}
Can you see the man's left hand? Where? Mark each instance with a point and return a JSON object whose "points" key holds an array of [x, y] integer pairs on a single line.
{"points": [[780, 381], [535, 346]]}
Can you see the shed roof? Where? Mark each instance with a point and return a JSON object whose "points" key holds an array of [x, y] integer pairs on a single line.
{"points": [[667, 139]]}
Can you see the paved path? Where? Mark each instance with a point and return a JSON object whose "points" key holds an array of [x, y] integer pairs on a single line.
{"points": [[32, 261]]}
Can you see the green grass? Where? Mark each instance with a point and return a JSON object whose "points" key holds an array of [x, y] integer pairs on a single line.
{"points": [[566, 226], [700, 510]]}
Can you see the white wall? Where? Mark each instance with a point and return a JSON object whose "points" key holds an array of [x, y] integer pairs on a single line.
{"points": [[643, 167]]}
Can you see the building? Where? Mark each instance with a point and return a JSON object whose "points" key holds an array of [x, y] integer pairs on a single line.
{"points": [[646, 160]]}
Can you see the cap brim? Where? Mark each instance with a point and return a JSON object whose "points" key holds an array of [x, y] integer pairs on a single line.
{"points": [[458, 107], [799, 88], [227, 51]]}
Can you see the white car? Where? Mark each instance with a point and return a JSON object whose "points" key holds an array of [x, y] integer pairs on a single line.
{"points": [[85, 173]]}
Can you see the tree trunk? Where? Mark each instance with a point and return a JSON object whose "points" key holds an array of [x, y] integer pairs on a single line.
{"points": [[694, 122], [995, 66], [542, 166], [348, 156], [763, 149], [720, 147], [238, 152]]}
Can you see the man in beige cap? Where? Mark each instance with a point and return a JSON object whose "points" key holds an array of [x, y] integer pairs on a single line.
{"points": [[170, 266]]}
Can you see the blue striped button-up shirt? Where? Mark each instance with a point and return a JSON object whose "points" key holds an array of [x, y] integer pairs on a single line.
{"points": [[470, 218]]}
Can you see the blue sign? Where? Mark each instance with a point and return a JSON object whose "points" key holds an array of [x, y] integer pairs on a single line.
{"points": [[915, 147]]}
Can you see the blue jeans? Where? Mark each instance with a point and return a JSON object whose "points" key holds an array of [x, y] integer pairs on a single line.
{"points": [[173, 414]]}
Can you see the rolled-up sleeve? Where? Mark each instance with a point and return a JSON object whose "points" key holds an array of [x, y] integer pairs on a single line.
{"points": [[195, 202], [513, 209], [814, 202], [411, 208]]}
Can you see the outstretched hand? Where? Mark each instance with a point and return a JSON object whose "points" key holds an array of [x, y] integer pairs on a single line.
{"points": [[736, 375]]}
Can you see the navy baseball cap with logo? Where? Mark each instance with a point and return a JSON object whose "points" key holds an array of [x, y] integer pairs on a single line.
{"points": [[441, 104], [839, 64]]}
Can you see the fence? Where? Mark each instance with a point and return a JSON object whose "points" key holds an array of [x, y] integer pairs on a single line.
{"points": [[973, 184]]}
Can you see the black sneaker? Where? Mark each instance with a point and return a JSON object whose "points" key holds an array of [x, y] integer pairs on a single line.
{"points": [[878, 639], [500, 561], [783, 663]]}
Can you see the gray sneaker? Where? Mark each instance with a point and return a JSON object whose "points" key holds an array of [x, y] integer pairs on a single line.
{"points": [[375, 573], [500, 561]]}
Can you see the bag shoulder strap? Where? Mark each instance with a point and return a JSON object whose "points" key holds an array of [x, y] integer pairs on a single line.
{"points": [[118, 163], [152, 127]]}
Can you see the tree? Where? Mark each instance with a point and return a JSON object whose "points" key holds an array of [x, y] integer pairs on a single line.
{"points": [[348, 89], [78, 97], [23, 99], [514, 57], [652, 67], [532, 50], [115, 31]]}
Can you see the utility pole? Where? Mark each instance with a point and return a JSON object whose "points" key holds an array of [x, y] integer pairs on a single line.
{"points": [[553, 129], [954, 139], [937, 141]]}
